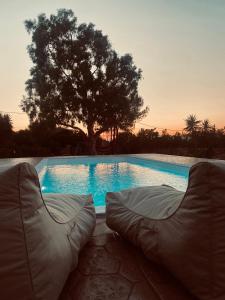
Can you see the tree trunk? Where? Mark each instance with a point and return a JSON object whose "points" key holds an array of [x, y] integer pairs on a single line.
{"points": [[92, 145], [92, 138]]}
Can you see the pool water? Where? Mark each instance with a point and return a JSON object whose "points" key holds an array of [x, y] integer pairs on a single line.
{"points": [[98, 175]]}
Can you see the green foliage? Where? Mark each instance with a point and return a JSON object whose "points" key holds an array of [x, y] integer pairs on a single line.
{"points": [[42, 139], [5, 126], [192, 124], [45, 139], [206, 126], [148, 134], [78, 79], [6, 134]]}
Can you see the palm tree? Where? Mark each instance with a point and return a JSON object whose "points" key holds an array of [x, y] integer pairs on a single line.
{"points": [[206, 126], [192, 124]]}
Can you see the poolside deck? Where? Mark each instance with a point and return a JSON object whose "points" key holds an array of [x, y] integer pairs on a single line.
{"points": [[112, 269], [174, 159]]}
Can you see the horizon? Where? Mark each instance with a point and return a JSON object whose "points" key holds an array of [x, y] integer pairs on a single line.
{"points": [[178, 46]]}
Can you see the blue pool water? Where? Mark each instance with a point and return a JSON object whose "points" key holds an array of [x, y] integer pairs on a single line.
{"points": [[98, 175]]}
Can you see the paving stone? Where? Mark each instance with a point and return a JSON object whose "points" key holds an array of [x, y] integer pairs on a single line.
{"points": [[103, 287], [98, 261], [143, 291]]}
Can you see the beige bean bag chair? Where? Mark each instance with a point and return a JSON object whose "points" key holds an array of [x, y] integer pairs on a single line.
{"points": [[40, 236], [185, 232]]}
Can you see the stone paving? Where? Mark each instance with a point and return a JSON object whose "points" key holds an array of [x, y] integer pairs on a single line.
{"points": [[174, 159], [112, 269]]}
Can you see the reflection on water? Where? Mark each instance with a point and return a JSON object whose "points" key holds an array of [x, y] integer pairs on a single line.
{"points": [[99, 178]]}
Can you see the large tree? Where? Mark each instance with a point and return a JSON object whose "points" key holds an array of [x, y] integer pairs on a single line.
{"points": [[78, 80]]}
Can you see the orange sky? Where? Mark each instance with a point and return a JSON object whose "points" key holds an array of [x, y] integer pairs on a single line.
{"points": [[179, 45]]}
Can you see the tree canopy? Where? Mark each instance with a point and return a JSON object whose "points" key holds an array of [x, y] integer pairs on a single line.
{"points": [[192, 124], [5, 127], [78, 80]]}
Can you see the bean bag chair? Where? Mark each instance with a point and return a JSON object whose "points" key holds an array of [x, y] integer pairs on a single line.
{"points": [[185, 232], [40, 236]]}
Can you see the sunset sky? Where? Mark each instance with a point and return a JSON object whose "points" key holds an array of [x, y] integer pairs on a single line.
{"points": [[179, 45]]}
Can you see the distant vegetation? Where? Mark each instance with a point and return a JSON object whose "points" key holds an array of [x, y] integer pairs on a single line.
{"points": [[199, 138]]}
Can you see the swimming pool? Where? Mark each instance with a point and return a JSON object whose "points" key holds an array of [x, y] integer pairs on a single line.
{"points": [[100, 174]]}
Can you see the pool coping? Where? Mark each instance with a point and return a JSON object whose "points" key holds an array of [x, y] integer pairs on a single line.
{"points": [[168, 158], [184, 161]]}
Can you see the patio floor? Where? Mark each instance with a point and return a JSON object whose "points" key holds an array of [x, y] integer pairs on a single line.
{"points": [[112, 269]]}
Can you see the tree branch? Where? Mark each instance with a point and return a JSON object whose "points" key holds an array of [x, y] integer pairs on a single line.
{"points": [[100, 131], [73, 127]]}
